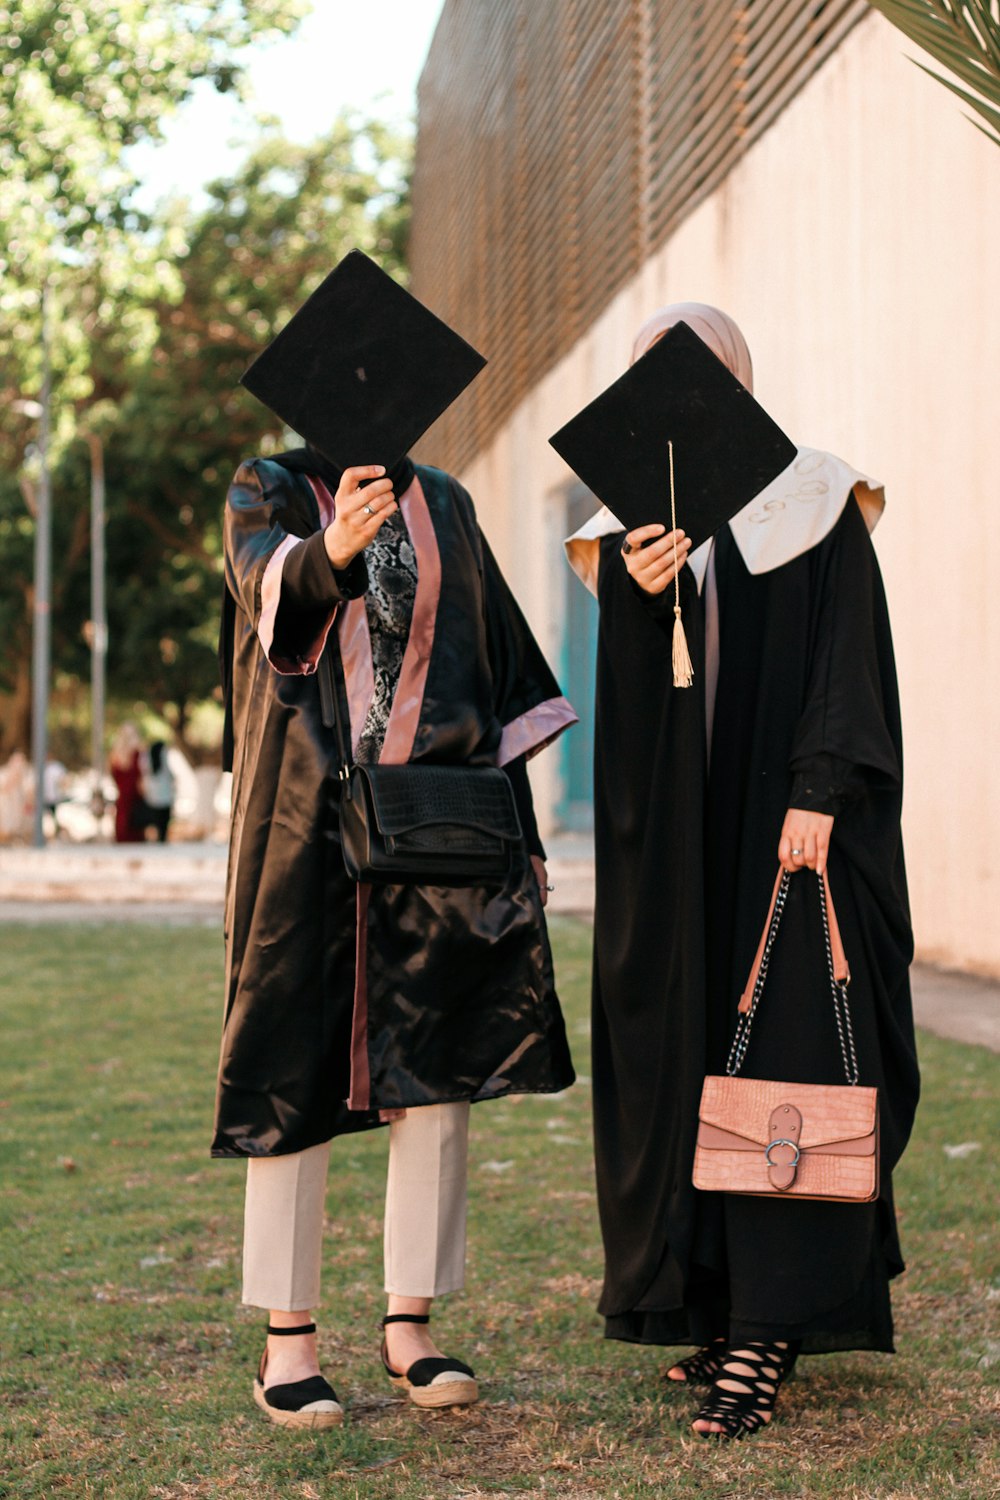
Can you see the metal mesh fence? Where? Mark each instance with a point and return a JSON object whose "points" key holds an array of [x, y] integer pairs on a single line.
{"points": [[560, 142]]}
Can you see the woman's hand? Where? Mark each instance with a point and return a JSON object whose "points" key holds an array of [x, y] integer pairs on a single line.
{"points": [[653, 567], [358, 513], [805, 841], [541, 875]]}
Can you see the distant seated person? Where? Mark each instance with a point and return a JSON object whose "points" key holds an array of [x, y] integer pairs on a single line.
{"points": [[159, 789], [54, 789], [15, 799], [126, 772]]}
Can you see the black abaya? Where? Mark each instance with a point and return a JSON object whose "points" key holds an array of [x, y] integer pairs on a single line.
{"points": [[806, 715]]}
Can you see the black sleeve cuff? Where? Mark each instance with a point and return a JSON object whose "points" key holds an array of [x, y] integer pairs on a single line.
{"points": [[659, 606], [351, 581], [517, 771], [825, 784], [309, 581]]}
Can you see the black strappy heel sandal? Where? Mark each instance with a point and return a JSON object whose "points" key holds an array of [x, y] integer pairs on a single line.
{"points": [[434, 1381], [302, 1403], [700, 1368], [745, 1410]]}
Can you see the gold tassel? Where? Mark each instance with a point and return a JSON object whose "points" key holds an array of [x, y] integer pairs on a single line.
{"points": [[683, 670]]}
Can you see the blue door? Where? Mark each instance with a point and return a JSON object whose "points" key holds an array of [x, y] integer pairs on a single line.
{"points": [[578, 665]]}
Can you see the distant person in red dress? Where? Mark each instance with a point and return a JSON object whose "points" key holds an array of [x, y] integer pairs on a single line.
{"points": [[126, 770]]}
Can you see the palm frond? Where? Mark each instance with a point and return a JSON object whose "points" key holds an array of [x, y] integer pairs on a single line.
{"points": [[989, 112], [964, 37]]}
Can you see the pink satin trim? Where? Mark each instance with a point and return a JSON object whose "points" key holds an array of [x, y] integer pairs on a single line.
{"points": [[270, 597], [327, 508], [360, 1093], [270, 593], [356, 656], [532, 731], [404, 717]]}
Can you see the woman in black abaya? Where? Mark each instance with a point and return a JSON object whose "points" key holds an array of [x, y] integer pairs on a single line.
{"points": [[787, 747]]}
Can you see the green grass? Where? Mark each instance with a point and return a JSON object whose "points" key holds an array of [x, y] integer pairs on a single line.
{"points": [[126, 1361]]}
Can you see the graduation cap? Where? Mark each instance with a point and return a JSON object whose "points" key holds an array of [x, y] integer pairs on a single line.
{"points": [[362, 369], [676, 439]]}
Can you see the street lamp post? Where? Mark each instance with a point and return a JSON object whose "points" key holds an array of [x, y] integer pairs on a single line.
{"points": [[41, 607], [97, 633], [98, 609]]}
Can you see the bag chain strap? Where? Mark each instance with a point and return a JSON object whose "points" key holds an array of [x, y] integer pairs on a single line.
{"points": [[838, 990], [841, 1009]]}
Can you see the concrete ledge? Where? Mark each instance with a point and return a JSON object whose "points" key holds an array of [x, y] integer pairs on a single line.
{"points": [[121, 873], [961, 1006], [194, 875]]}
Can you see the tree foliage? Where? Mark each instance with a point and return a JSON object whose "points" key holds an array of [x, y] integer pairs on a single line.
{"points": [[79, 83], [267, 238], [151, 320], [160, 359]]}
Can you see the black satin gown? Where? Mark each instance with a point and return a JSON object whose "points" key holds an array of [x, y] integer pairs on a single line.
{"points": [[429, 994]]}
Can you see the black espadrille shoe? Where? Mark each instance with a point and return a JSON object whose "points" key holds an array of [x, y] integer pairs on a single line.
{"points": [[434, 1381], [308, 1403]]}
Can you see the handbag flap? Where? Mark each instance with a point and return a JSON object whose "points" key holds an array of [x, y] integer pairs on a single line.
{"points": [[404, 798], [830, 1112]]}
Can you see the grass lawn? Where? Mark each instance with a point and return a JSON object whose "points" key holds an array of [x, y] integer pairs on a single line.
{"points": [[126, 1361]]}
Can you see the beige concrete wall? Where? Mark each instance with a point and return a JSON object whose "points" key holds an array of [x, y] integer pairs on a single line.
{"points": [[858, 245]]}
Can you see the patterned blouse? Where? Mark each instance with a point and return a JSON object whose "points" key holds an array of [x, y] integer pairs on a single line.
{"points": [[392, 589]]}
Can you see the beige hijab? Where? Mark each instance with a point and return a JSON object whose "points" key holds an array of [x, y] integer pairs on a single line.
{"points": [[794, 513], [714, 327]]}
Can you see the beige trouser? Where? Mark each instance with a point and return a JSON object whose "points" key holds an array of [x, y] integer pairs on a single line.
{"points": [[425, 1204]]}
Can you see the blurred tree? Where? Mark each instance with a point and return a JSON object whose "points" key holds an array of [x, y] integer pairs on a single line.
{"points": [[964, 36], [164, 353], [266, 240], [79, 83]]}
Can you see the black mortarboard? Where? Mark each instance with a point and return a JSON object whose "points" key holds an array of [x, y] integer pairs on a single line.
{"points": [[363, 368], [725, 446]]}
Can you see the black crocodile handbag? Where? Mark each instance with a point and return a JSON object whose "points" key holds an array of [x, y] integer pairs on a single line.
{"points": [[422, 824], [429, 825]]}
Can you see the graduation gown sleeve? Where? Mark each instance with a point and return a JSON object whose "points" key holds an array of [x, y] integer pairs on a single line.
{"points": [[280, 573], [527, 702], [847, 737]]}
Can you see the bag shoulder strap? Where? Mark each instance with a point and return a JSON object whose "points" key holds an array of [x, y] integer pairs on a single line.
{"points": [[330, 706], [841, 968]]}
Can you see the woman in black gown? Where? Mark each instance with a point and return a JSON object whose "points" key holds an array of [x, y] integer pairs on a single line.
{"points": [[352, 1005], [787, 747]]}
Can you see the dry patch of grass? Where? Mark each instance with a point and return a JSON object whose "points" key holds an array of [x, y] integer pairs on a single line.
{"points": [[126, 1361]]}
